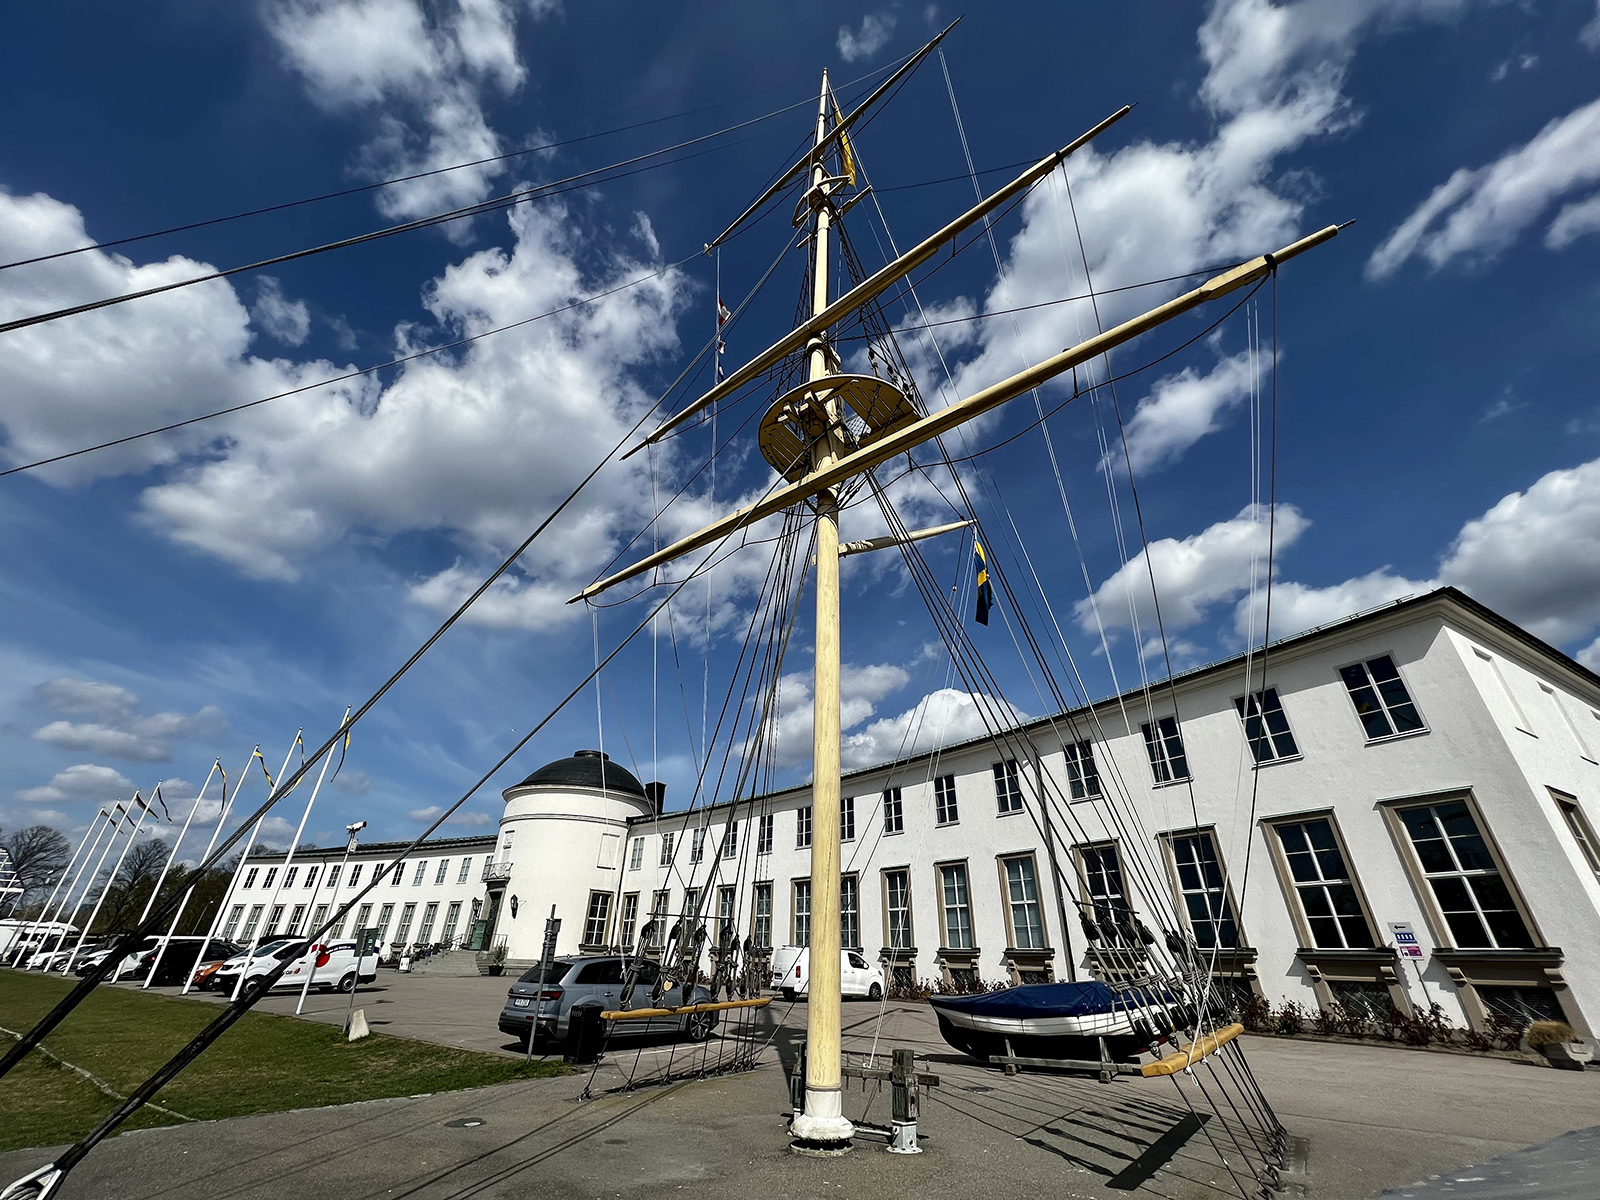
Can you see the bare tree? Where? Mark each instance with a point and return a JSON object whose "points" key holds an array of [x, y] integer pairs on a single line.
{"points": [[132, 886], [38, 854]]}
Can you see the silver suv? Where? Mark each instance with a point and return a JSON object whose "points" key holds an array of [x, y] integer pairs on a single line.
{"points": [[573, 981]]}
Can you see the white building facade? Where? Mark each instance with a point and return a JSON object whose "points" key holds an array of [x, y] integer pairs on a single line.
{"points": [[1427, 765]]}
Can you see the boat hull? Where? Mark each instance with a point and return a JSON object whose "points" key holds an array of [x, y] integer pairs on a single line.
{"points": [[1062, 1021]]}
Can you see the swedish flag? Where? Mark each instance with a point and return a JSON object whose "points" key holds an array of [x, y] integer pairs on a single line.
{"points": [[985, 589]]}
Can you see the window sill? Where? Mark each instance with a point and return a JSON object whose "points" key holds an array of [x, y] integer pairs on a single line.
{"points": [[897, 955], [1399, 737], [1012, 812], [1543, 956], [1043, 954], [893, 832], [1174, 782], [947, 955], [946, 824], [1090, 798], [1287, 758]]}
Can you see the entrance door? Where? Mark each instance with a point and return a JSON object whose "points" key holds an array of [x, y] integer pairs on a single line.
{"points": [[492, 918]]}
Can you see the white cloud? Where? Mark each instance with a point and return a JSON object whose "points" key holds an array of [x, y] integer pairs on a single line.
{"points": [[86, 781], [861, 688], [876, 30], [1589, 656], [1297, 607], [353, 783], [940, 718], [1573, 222], [1589, 35], [287, 320], [1535, 556], [118, 730], [425, 814], [1181, 409], [471, 820], [1191, 573], [422, 72], [1476, 214]]}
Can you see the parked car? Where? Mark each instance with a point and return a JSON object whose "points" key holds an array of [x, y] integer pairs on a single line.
{"points": [[331, 967], [791, 973], [181, 959], [573, 981]]}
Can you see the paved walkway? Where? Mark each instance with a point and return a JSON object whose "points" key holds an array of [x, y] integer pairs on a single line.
{"points": [[1375, 1118]]}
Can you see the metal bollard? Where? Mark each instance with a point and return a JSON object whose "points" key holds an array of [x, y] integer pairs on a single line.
{"points": [[797, 1081], [903, 1083]]}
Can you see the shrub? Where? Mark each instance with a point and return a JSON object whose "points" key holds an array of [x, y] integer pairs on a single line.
{"points": [[1255, 1014], [1291, 1018], [1549, 1033]]}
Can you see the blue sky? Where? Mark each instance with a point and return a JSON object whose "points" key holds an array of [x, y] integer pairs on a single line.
{"points": [[188, 596]]}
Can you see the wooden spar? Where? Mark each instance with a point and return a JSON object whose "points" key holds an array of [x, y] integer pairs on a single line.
{"points": [[1192, 1053], [877, 283], [639, 1014], [929, 427], [820, 147], [883, 543]]}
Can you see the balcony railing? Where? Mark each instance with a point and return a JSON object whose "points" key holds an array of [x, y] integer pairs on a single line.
{"points": [[493, 871]]}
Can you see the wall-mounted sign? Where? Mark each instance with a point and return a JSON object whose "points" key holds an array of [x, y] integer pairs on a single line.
{"points": [[1405, 939]]}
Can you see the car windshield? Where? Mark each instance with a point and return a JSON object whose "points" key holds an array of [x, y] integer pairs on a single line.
{"points": [[554, 974]]}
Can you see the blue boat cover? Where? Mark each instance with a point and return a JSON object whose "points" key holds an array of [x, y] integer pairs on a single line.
{"points": [[1036, 1000]]}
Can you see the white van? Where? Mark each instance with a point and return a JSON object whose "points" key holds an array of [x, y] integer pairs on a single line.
{"points": [[335, 966], [791, 973]]}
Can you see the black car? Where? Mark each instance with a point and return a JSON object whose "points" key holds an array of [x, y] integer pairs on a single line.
{"points": [[182, 958]]}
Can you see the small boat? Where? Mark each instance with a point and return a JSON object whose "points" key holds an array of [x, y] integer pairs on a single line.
{"points": [[1056, 1020]]}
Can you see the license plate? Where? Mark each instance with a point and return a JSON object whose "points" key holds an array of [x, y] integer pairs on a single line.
{"points": [[520, 1002]]}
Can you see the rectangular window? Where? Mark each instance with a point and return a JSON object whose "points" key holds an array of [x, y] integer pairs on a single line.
{"points": [[251, 923], [297, 919], [730, 840], [630, 920], [761, 923], [288, 879], [1266, 727], [725, 901], [274, 919], [407, 914], [764, 840], [319, 917], [363, 918], [894, 818], [1022, 901], [272, 873], [311, 877], [466, 870], [847, 818], [1582, 833], [1465, 879], [418, 875], [232, 926], [1321, 879], [944, 801], [1108, 895], [597, 924], [897, 906], [1007, 788], [429, 914], [667, 841], [635, 854], [397, 875], [1164, 744], [337, 931], [250, 877], [802, 827], [385, 915], [1380, 697], [697, 846], [802, 912], [452, 918], [849, 913], [1083, 780], [1204, 890], [956, 905], [355, 875], [333, 877], [444, 869], [658, 920]]}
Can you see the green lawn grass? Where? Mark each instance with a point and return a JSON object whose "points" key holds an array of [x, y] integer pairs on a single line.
{"points": [[264, 1063]]}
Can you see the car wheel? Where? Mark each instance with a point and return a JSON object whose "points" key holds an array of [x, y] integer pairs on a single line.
{"points": [[875, 993], [348, 983], [788, 993], [698, 1027]]}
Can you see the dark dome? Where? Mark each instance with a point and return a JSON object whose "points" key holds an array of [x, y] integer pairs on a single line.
{"points": [[583, 770]]}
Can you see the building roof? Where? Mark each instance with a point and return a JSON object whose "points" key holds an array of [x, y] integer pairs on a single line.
{"points": [[482, 841], [586, 769]]}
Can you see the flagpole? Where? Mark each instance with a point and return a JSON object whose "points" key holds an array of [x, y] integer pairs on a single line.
{"points": [[255, 937], [66, 872], [115, 828], [144, 811], [222, 820], [61, 934], [822, 1124], [161, 949]]}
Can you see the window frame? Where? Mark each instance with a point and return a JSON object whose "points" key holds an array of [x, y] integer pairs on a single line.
{"points": [[847, 818], [1279, 854], [232, 927], [420, 875], [939, 869], [1444, 936], [250, 878], [802, 827], [465, 873], [629, 925], [430, 914], [402, 931], [889, 909], [1008, 905], [894, 812], [452, 920], [797, 887], [1578, 828], [1007, 788], [697, 845], [355, 875], [764, 833], [730, 840], [443, 873], [1170, 843], [660, 909], [603, 897], [1411, 698], [636, 854], [727, 908], [946, 805], [1159, 753], [761, 922], [1076, 754], [1241, 705], [669, 845]]}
